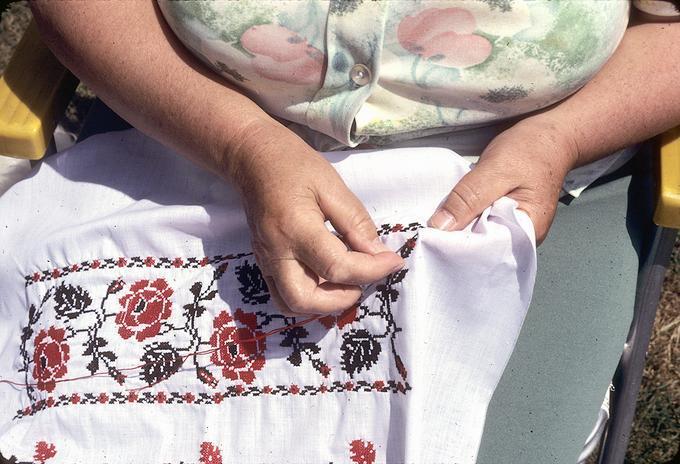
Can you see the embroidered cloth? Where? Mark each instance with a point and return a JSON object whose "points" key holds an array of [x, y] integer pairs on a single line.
{"points": [[138, 328]]}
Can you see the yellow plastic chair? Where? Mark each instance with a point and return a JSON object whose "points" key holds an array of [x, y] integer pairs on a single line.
{"points": [[35, 89]]}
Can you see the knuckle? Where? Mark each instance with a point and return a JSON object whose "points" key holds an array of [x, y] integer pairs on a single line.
{"points": [[362, 223], [299, 301], [270, 229], [334, 270], [464, 199]]}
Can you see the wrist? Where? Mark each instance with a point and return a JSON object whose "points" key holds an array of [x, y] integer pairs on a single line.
{"points": [[243, 145], [559, 134]]}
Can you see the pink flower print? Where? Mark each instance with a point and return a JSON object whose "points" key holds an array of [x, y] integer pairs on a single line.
{"points": [[444, 36], [282, 55]]}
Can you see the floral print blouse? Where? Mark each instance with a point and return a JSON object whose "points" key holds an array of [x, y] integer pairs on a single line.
{"points": [[378, 71]]}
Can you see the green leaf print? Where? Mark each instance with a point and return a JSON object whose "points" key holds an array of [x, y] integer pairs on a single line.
{"points": [[228, 21]]}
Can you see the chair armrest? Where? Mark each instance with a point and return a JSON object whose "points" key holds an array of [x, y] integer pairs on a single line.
{"points": [[667, 213], [34, 92]]}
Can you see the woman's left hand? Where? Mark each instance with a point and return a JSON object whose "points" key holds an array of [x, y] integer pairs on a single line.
{"points": [[527, 163]]}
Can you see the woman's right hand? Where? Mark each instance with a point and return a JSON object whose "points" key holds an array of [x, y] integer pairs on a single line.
{"points": [[288, 191]]}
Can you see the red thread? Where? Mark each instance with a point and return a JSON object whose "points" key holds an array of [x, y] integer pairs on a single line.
{"points": [[184, 358]]}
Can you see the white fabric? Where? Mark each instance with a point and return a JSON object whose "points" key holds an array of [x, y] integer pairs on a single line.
{"points": [[12, 170], [120, 224]]}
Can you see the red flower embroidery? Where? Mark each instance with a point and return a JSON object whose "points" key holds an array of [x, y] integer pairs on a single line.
{"points": [[44, 451], [363, 452], [241, 350], [210, 454], [444, 36], [325, 370], [50, 357], [282, 55], [116, 286], [144, 309], [347, 317]]}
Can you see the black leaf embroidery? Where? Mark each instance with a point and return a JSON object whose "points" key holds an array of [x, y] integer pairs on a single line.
{"points": [[398, 276], [295, 358], [93, 366], [160, 362], [293, 335], [71, 301], [360, 351], [253, 287], [196, 289]]}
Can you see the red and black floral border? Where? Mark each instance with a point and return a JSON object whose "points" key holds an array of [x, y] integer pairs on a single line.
{"points": [[166, 262], [162, 397], [129, 263]]}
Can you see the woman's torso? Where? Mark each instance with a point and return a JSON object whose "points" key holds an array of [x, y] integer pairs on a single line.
{"points": [[359, 71]]}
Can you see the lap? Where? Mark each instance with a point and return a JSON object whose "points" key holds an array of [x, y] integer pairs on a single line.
{"points": [[136, 308], [548, 397]]}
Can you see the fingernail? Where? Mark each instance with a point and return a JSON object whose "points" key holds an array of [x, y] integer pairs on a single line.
{"points": [[442, 220], [398, 268], [378, 246]]}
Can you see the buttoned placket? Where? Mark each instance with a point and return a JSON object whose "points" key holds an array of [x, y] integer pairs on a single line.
{"points": [[354, 42]]}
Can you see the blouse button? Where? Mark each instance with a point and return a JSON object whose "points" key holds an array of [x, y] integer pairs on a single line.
{"points": [[360, 74]]}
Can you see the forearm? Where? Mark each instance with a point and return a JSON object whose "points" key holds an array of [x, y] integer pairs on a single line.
{"points": [[634, 96], [130, 58]]}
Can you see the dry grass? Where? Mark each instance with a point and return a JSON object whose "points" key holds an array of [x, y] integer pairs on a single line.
{"points": [[656, 430], [14, 22]]}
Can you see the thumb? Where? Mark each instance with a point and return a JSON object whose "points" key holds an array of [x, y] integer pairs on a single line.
{"points": [[475, 191]]}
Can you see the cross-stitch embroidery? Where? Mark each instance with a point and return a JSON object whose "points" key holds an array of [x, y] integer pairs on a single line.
{"points": [[225, 340]]}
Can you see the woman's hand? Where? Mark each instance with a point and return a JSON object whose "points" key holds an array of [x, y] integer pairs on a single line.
{"points": [[527, 163], [289, 190]]}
